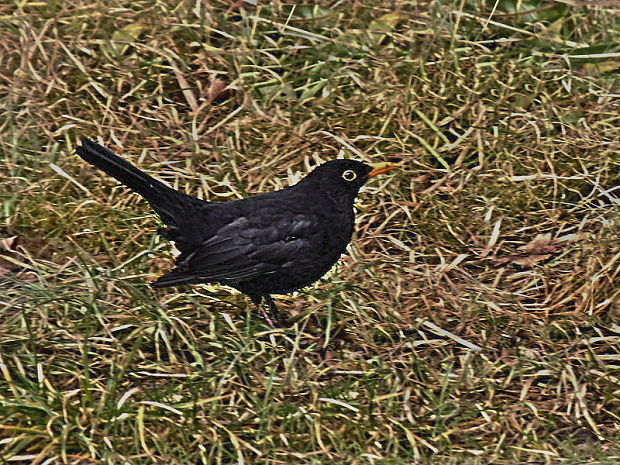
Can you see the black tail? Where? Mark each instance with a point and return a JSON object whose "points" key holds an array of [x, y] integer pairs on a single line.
{"points": [[164, 200]]}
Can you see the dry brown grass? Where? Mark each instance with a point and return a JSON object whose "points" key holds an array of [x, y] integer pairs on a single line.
{"points": [[475, 319]]}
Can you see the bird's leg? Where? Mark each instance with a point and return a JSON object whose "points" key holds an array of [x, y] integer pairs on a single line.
{"points": [[272, 306]]}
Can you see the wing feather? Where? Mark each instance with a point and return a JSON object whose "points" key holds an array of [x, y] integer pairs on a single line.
{"points": [[244, 249]]}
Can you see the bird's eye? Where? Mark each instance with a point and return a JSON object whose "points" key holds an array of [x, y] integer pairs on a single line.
{"points": [[349, 175]]}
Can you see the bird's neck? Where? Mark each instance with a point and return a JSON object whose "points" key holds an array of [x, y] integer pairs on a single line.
{"points": [[321, 196]]}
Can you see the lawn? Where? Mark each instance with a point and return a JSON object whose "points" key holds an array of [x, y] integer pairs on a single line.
{"points": [[476, 316]]}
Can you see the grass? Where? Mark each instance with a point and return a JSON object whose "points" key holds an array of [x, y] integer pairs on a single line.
{"points": [[475, 317]]}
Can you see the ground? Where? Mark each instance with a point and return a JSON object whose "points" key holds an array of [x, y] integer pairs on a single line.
{"points": [[475, 317]]}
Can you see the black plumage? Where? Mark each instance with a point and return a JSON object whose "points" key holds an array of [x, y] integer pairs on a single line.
{"points": [[272, 243]]}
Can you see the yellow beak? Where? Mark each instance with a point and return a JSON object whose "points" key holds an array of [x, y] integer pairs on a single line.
{"points": [[380, 168]]}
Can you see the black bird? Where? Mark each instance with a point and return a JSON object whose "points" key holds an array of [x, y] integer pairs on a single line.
{"points": [[272, 243]]}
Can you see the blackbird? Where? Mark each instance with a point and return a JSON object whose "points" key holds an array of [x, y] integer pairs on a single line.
{"points": [[272, 243]]}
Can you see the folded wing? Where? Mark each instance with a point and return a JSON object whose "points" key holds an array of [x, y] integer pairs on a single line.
{"points": [[245, 248]]}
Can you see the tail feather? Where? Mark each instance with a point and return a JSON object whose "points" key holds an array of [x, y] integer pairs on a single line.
{"points": [[118, 168], [175, 279], [162, 198]]}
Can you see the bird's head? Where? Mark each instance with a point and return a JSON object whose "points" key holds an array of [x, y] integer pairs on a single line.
{"points": [[342, 179]]}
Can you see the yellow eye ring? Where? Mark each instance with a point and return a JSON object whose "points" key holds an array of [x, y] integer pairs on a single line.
{"points": [[349, 175]]}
